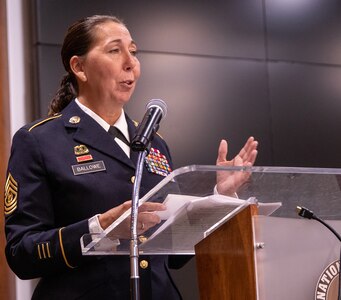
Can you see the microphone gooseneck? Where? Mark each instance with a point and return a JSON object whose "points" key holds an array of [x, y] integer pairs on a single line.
{"points": [[156, 110]]}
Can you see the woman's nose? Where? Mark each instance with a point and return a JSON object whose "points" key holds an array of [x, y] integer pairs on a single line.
{"points": [[129, 62]]}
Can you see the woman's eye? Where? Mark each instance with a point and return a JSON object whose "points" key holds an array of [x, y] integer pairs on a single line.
{"points": [[133, 52], [116, 50]]}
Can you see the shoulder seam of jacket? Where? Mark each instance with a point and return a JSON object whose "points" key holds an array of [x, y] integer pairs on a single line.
{"points": [[44, 121]]}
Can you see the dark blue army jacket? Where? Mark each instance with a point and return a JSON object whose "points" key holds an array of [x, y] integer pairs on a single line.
{"points": [[47, 208]]}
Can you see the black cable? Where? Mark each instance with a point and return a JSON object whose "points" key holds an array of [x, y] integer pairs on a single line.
{"points": [[308, 214]]}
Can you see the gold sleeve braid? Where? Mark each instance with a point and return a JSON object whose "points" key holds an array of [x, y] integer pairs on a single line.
{"points": [[62, 248]]}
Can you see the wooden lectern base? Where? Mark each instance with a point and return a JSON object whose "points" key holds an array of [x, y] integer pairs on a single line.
{"points": [[226, 262]]}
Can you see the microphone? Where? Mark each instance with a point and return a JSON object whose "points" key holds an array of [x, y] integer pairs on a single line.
{"points": [[156, 110]]}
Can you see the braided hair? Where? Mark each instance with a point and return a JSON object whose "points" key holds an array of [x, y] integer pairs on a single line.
{"points": [[78, 41]]}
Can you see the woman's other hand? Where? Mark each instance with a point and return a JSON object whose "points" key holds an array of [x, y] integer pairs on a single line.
{"points": [[228, 182]]}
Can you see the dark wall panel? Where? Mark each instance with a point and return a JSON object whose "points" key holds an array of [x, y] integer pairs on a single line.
{"points": [[227, 28], [306, 31], [50, 70], [306, 107]]}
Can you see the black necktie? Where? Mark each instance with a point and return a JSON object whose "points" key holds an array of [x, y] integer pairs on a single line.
{"points": [[116, 133]]}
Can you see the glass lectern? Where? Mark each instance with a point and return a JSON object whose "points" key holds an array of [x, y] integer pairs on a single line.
{"points": [[281, 246]]}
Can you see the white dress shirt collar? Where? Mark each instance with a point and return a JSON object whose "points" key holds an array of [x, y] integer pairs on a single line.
{"points": [[121, 124]]}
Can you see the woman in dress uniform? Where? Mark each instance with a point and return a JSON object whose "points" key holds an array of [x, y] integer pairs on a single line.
{"points": [[50, 202]]}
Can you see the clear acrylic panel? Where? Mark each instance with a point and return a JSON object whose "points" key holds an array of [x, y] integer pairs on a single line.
{"points": [[195, 208]]}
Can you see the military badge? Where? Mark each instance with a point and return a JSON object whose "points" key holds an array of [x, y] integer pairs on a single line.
{"points": [[157, 163], [84, 158], [11, 195], [81, 150], [82, 153]]}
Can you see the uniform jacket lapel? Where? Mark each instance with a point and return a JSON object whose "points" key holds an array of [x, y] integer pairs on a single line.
{"points": [[87, 131], [132, 131]]}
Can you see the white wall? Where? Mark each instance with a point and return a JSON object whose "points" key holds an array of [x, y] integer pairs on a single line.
{"points": [[16, 63], [19, 93]]}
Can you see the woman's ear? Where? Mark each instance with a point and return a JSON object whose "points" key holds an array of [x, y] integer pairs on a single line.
{"points": [[76, 65]]}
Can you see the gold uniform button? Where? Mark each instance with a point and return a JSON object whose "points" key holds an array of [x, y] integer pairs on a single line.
{"points": [[132, 179], [144, 264], [142, 239]]}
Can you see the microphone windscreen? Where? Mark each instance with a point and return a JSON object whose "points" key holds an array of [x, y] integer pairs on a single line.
{"points": [[158, 103]]}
